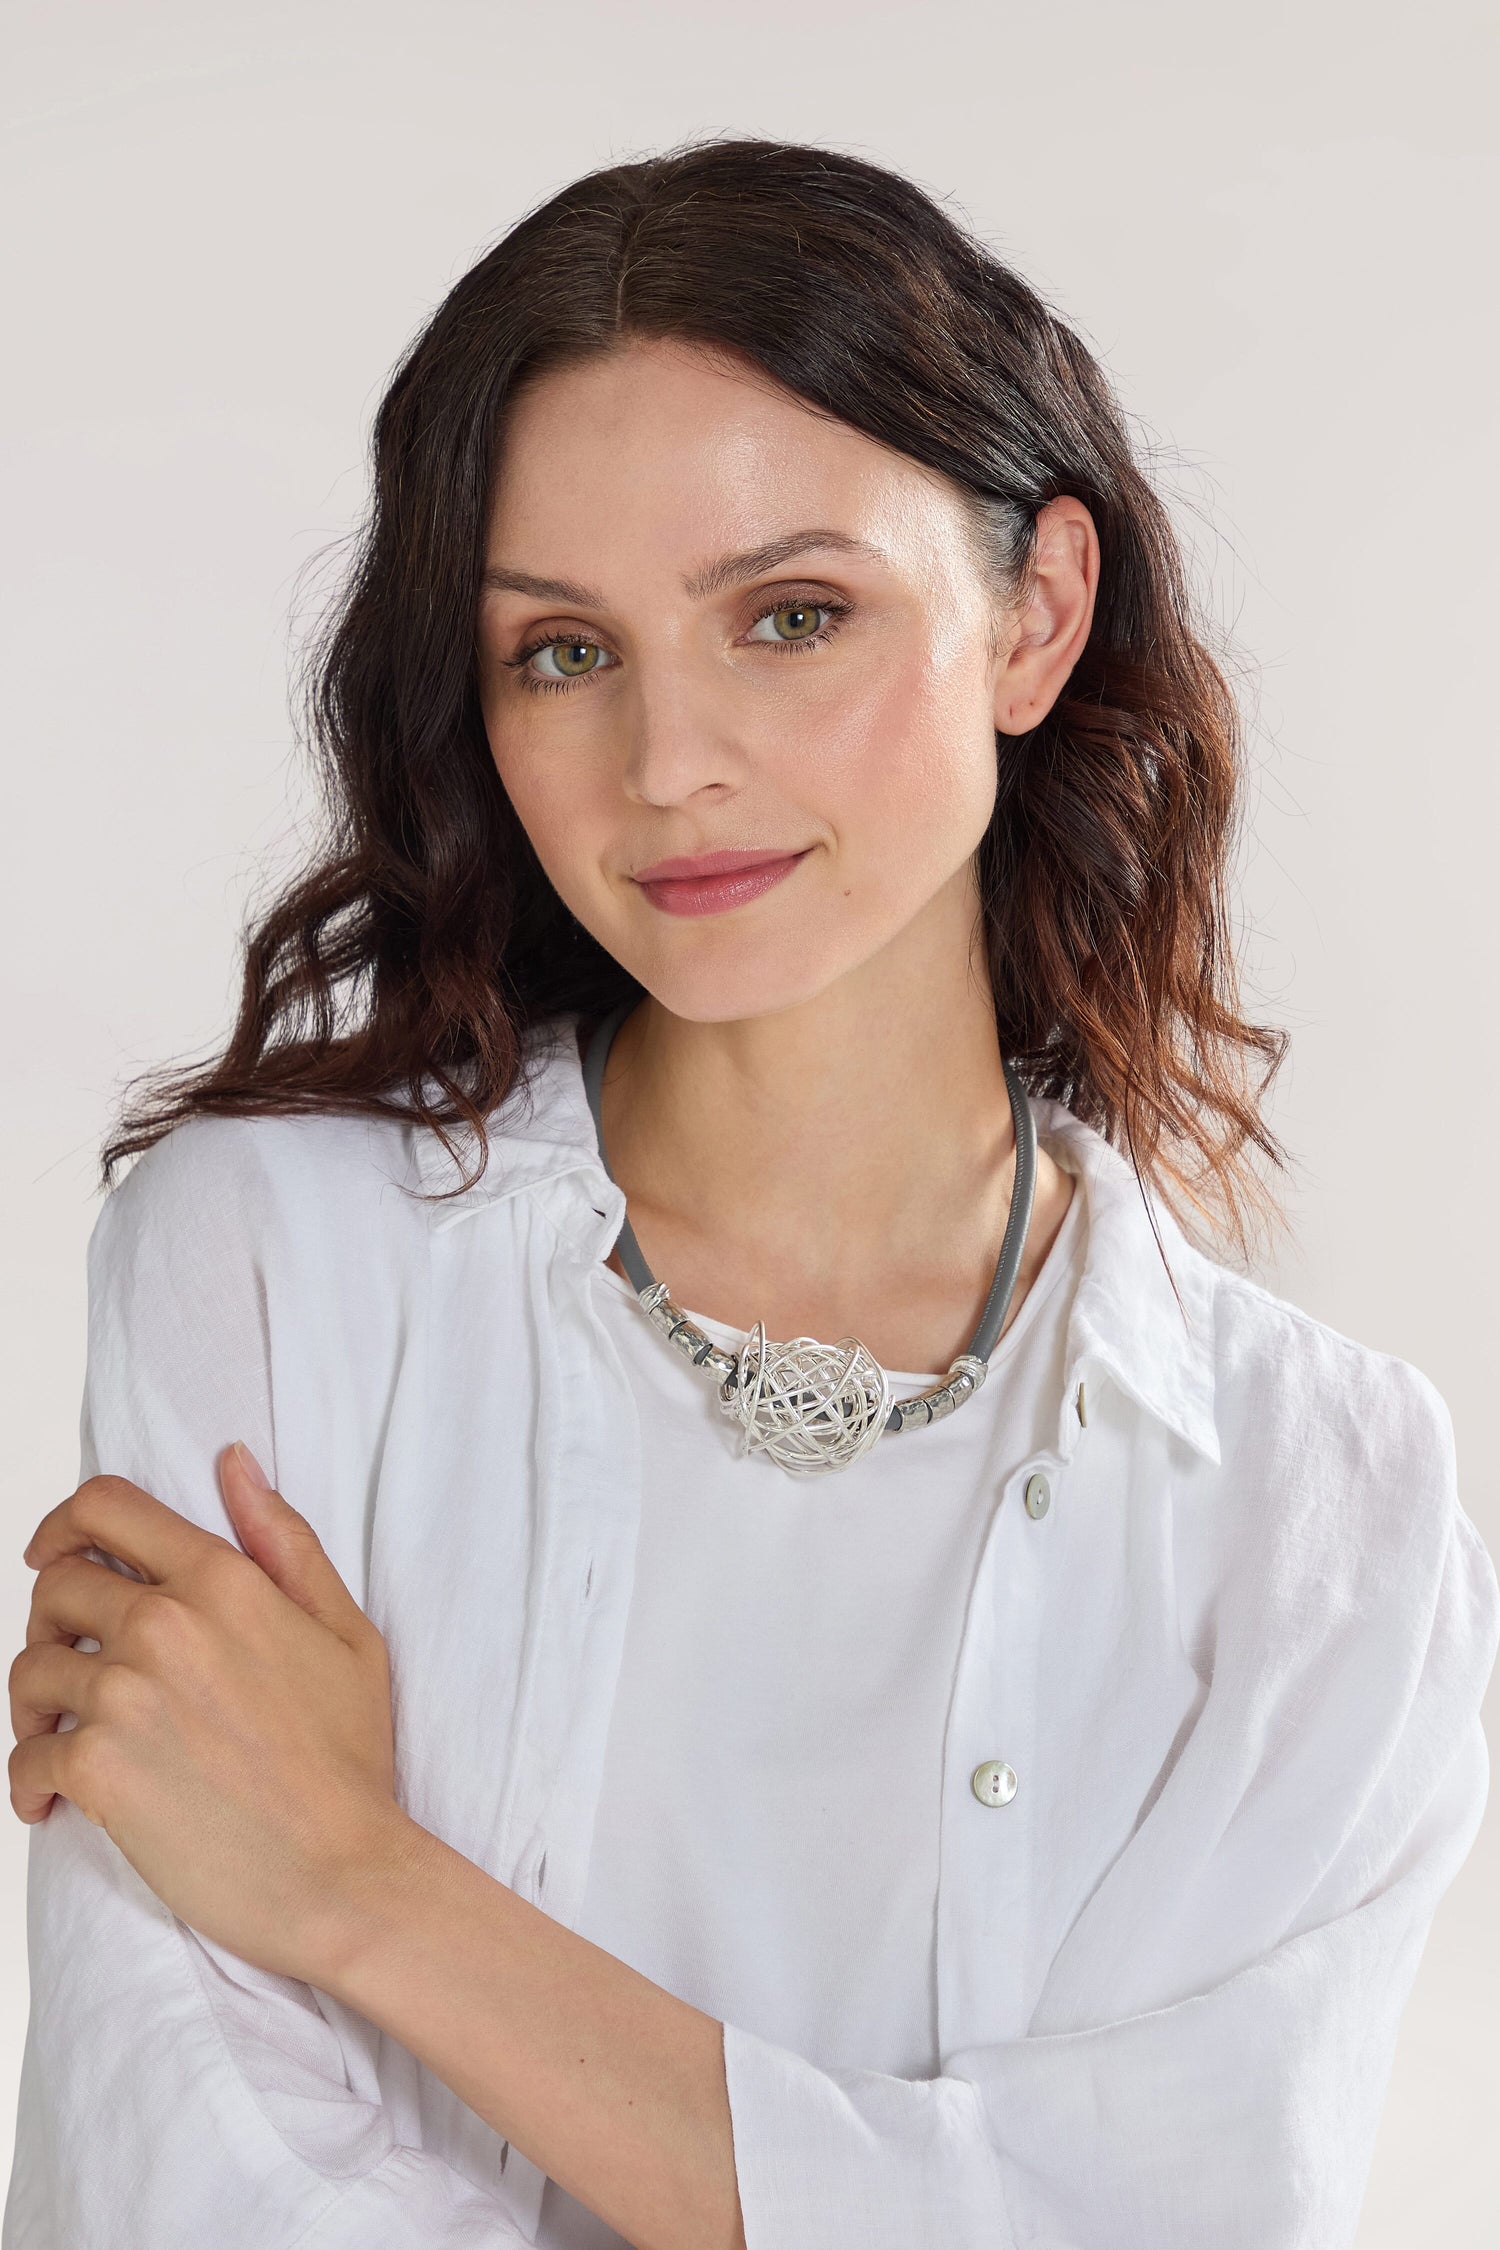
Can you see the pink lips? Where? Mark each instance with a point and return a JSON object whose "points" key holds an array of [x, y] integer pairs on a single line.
{"points": [[714, 882]]}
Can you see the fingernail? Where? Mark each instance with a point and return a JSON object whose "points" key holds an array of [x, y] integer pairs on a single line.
{"points": [[251, 1466]]}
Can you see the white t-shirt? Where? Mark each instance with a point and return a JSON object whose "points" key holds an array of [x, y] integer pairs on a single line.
{"points": [[788, 1666]]}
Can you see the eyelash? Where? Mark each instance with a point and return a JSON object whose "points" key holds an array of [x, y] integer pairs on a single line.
{"points": [[533, 682]]}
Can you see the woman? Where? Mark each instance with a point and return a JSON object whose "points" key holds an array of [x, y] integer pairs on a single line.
{"points": [[533, 1809]]}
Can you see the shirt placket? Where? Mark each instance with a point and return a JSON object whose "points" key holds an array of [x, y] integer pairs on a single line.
{"points": [[987, 1832], [588, 1471], [586, 1493]]}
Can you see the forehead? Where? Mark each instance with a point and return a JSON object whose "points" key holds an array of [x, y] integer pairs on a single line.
{"points": [[664, 444]]}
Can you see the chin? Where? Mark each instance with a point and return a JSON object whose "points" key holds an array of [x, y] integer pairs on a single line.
{"points": [[739, 985]]}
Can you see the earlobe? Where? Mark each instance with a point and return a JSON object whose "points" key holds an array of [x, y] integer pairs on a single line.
{"points": [[1015, 696], [1011, 709]]}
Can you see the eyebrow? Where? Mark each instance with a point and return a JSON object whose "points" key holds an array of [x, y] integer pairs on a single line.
{"points": [[713, 578]]}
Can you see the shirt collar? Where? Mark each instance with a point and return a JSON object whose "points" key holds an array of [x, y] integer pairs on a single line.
{"points": [[544, 1129], [1125, 1317], [1156, 1344]]}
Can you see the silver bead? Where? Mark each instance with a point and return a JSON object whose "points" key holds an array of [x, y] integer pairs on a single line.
{"points": [[964, 1378]]}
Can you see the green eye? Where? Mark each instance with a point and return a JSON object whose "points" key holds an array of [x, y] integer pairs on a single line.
{"points": [[799, 624], [795, 621], [573, 658]]}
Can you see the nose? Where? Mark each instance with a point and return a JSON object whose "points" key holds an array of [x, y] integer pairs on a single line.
{"points": [[681, 737]]}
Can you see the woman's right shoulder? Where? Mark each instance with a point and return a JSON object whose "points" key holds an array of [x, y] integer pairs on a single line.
{"points": [[320, 1174]]}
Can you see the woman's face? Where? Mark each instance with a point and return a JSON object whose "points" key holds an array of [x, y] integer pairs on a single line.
{"points": [[713, 620]]}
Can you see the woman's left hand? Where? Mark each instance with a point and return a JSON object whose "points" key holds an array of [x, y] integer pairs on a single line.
{"points": [[234, 1733]]}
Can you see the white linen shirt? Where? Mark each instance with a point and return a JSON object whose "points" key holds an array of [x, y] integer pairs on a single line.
{"points": [[1236, 1667]]}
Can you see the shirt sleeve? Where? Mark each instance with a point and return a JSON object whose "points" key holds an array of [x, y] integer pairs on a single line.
{"points": [[172, 2094], [1210, 2054]]}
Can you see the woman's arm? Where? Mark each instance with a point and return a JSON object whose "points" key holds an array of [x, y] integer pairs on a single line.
{"points": [[610, 2084], [171, 2093], [232, 1737], [172, 2097]]}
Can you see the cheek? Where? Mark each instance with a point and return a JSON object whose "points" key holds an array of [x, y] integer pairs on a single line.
{"points": [[553, 795], [904, 763]]}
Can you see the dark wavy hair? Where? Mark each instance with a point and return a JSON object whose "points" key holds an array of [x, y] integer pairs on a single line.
{"points": [[399, 972]]}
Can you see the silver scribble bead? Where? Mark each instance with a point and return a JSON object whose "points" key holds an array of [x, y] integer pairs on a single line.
{"points": [[808, 1406]]}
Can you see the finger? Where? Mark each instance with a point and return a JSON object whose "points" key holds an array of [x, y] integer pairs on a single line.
{"points": [[45, 1766], [289, 1551], [73, 1596], [117, 1516], [48, 1680]]}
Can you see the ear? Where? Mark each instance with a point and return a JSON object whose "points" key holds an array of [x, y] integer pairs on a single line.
{"points": [[1051, 630]]}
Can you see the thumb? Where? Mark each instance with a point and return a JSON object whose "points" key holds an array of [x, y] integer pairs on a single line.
{"points": [[281, 1541]]}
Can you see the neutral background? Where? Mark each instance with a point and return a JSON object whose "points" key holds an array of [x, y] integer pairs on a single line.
{"points": [[1276, 227]]}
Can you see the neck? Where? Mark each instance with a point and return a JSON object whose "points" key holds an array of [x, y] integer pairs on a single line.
{"points": [[866, 1131]]}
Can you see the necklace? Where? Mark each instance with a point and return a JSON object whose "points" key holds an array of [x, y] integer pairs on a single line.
{"points": [[814, 1407]]}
